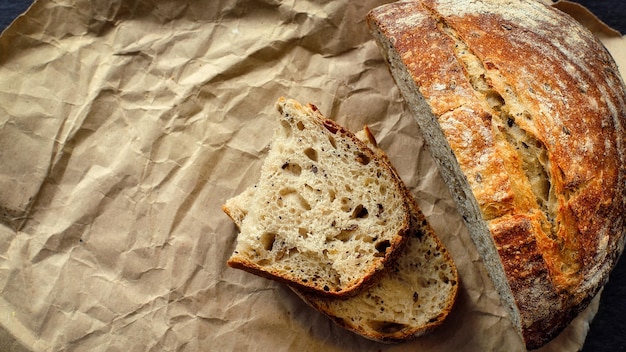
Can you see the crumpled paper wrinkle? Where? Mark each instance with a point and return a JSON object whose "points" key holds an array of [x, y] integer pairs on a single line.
{"points": [[125, 125]]}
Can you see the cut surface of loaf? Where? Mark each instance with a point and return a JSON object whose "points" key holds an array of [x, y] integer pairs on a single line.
{"points": [[412, 299], [524, 111], [327, 214]]}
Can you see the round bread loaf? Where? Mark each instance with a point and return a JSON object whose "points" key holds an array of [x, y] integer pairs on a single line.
{"points": [[524, 110]]}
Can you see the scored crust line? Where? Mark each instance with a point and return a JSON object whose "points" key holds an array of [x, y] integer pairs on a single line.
{"points": [[533, 154]]}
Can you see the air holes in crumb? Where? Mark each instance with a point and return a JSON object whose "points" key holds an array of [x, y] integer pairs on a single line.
{"points": [[332, 195], [267, 240], [332, 141], [346, 204], [510, 122], [303, 203], [360, 212], [300, 125], [311, 153], [291, 198], [495, 100], [294, 169], [264, 262], [528, 116], [303, 232], [423, 282], [443, 278], [382, 246], [362, 159], [286, 128], [346, 234], [385, 327], [285, 191]]}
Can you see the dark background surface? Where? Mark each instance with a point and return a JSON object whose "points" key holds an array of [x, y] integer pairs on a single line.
{"points": [[9, 9], [608, 329]]}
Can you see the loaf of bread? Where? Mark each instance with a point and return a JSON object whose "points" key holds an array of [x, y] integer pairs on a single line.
{"points": [[327, 215], [524, 110], [412, 299]]}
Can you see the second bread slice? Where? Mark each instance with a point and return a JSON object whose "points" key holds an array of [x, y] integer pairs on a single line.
{"points": [[414, 298]]}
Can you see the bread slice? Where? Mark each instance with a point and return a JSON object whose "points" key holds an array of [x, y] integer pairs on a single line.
{"points": [[411, 300], [327, 214], [524, 110]]}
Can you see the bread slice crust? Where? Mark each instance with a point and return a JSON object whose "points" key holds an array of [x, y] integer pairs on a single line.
{"points": [[525, 112], [327, 214]]}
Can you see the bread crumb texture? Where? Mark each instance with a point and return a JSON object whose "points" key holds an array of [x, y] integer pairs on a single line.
{"points": [[415, 296], [326, 214]]}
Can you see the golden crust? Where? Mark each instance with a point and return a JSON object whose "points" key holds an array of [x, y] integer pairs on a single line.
{"points": [[504, 76]]}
